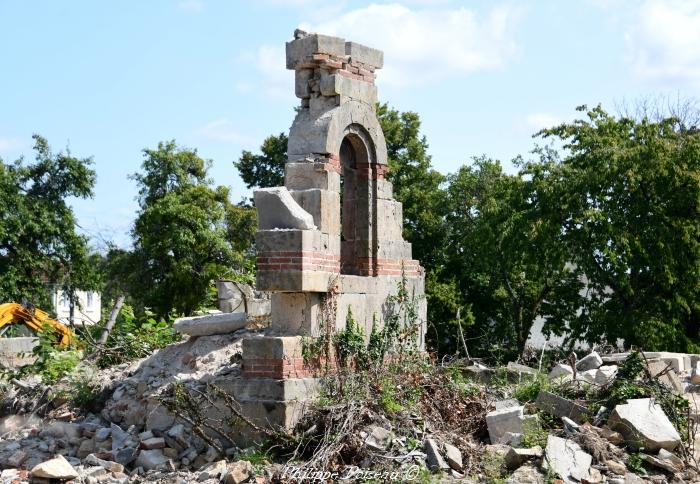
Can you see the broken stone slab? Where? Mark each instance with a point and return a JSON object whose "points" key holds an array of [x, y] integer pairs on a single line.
{"points": [[210, 324], [591, 361], [521, 370], [508, 420], [561, 371], [605, 374], [567, 459], [643, 424], [93, 460], [453, 457], [434, 459], [587, 376], [507, 403], [237, 472], [57, 468], [695, 374], [151, 459], [517, 457], [616, 467], [376, 437], [153, 443], [277, 209], [669, 378], [526, 474], [560, 406]]}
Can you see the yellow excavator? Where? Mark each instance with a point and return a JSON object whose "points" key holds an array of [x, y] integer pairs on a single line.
{"points": [[35, 319]]}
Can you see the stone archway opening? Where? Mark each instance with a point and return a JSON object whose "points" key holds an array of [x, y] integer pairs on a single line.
{"points": [[356, 253]]}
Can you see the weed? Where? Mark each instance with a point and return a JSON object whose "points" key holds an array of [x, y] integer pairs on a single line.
{"points": [[494, 467], [528, 389], [534, 433], [635, 463]]}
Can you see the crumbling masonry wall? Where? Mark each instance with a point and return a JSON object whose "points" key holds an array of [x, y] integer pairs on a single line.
{"points": [[334, 226]]}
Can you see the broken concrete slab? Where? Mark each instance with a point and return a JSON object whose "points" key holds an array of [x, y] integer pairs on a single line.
{"points": [[561, 371], [605, 374], [517, 457], [561, 407], [664, 372], [57, 468], [567, 459], [526, 474], [453, 457], [277, 209], [644, 424], [211, 324], [591, 361], [508, 420], [434, 459]]}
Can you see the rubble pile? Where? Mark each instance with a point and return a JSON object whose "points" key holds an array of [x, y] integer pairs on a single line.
{"points": [[472, 432]]}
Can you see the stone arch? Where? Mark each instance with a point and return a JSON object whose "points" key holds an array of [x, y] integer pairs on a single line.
{"points": [[317, 134]]}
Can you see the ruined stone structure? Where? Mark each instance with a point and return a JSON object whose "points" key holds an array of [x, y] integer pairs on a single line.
{"points": [[333, 228]]}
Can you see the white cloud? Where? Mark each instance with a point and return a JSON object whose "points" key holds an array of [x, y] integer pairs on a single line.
{"points": [[270, 63], [664, 40], [420, 45], [10, 144], [193, 6], [538, 121], [223, 130], [426, 45]]}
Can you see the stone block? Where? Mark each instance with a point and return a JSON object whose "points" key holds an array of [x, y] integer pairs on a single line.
{"points": [[227, 289], [294, 281], [269, 388], [301, 83], [210, 324], [560, 406], [561, 372], [434, 459], [298, 50], [365, 55], [516, 457], [306, 175], [669, 377], [278, 210], [296, 313], [390, 219], [287, 241], [644, 424], [272, 347], [567, 459], [353, 89], [385, 190], [505, 421], [324, 207], [591, 361]]}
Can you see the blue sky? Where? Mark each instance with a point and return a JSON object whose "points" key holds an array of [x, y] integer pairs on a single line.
{"points": [[108, 79]]}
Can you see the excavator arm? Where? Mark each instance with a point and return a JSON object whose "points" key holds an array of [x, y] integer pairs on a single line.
{"points": [[34, 319]]}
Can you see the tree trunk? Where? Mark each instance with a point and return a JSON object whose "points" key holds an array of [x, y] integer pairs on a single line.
{"points": [[112, 319]]}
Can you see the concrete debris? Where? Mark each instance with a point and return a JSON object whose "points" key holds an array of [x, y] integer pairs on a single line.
{"points": [[561, 372], [567, 459], [605, 375], [591, 361], [210, 324], [277, 209], [376, 437], [504, 421], [644, 424], [237, 472], [517, 457], [453, 457], [435, 460], [695, 374], [526, 474], [560, 406], [57, 468]]}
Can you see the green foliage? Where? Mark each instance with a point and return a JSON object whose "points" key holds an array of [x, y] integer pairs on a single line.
{"points": [[635, 463], [494, 467], [266, 169], [38, 238], [52, 362], [528, 389], [626, 197], [534, 433], [84, 385], [187, 233], [136, 337], [350, 343]]}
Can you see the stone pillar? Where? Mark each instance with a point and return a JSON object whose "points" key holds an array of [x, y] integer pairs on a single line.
{"points": [[307, 243]]}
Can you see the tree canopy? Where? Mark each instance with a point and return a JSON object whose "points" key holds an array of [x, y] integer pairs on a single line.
{"points": [[266, 169], [187, 232], [39, 241]]}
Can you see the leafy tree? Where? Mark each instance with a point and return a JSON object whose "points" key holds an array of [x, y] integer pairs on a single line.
{"points": [[266, 169], [38, 237], [506, 255], [183, 233], [627, 195]]}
